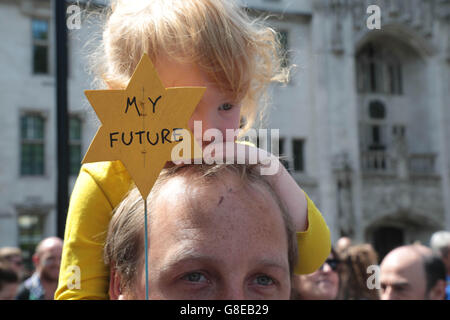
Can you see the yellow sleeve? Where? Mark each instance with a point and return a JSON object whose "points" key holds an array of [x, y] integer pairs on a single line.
{"points": [[314, 244], [97, 191]]}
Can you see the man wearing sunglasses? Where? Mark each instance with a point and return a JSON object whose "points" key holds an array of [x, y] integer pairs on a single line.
{"points": [[322, 284], [12, 257]]}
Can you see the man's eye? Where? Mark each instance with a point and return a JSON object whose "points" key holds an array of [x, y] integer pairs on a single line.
{"points": [[226, 107], [194, 277], [264, 280], [399, 288]]}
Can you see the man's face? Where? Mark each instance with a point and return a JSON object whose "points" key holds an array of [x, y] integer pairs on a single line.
{"points": [[49, 262], [222, 243], [403, 277]]}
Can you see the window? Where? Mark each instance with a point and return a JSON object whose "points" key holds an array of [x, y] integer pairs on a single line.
{"points": [[32, 144], [398, 131], [377, 135], [378, 71], [283, 37], [298, 152], [377, 110], [40, 46], [31, 232], [75, 126]]}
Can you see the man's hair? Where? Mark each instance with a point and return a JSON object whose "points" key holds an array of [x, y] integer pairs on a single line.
{"points": [[7, 276], [434, 270], [124, 243], [44, 242], [440, 243], [7, 253]]}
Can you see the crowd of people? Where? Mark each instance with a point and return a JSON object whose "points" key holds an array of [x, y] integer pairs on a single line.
{"points": [[42, 283], [408, 272], [354, 272]]}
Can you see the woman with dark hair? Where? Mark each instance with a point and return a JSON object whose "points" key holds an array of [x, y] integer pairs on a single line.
{"points": [[357, 259], [323, 284]]}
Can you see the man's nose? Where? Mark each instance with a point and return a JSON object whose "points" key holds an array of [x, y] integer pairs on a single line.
{"points": [[233, 292]]}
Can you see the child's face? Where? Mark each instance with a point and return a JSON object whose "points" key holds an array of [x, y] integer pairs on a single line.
{"points": [[215, 110]]}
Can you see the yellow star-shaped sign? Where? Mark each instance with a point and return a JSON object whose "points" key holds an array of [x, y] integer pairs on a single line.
{"points": [[141, 124]]}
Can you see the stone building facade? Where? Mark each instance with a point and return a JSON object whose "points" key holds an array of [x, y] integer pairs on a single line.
{"points": [[28, 161], [364, 122], [372, 107]]}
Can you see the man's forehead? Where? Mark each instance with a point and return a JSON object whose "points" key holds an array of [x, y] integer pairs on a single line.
{"points": [[391, 276], [50, 245], [215, 211], [402, 267], [220, 212], [201, 194]]}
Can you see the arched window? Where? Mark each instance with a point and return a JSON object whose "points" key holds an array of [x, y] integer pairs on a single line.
{"points": [[378, 71], [377, 110], [374, 135]]}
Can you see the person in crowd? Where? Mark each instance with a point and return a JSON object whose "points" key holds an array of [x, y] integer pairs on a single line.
{"points": [[13, 258], [440, 243], [215, 232], [355, 273], [9, 282], [343, 244], [42, 284], [323, 284], [412, 272]]}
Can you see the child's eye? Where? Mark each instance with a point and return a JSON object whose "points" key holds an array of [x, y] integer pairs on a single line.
{"points": [[226, 107]]}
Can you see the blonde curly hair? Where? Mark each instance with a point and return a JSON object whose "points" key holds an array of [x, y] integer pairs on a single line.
{"points": [[239, 53]]}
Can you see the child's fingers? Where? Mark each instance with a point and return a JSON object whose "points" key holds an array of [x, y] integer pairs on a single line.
{"points": [[231, 152]]}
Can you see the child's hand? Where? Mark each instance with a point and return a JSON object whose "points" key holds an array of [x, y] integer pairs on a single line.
{"points": [[286, 187], [239, 153]]}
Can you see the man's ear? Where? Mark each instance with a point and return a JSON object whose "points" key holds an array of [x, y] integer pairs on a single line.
{"points": [[438, 291], [115, 291]]}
